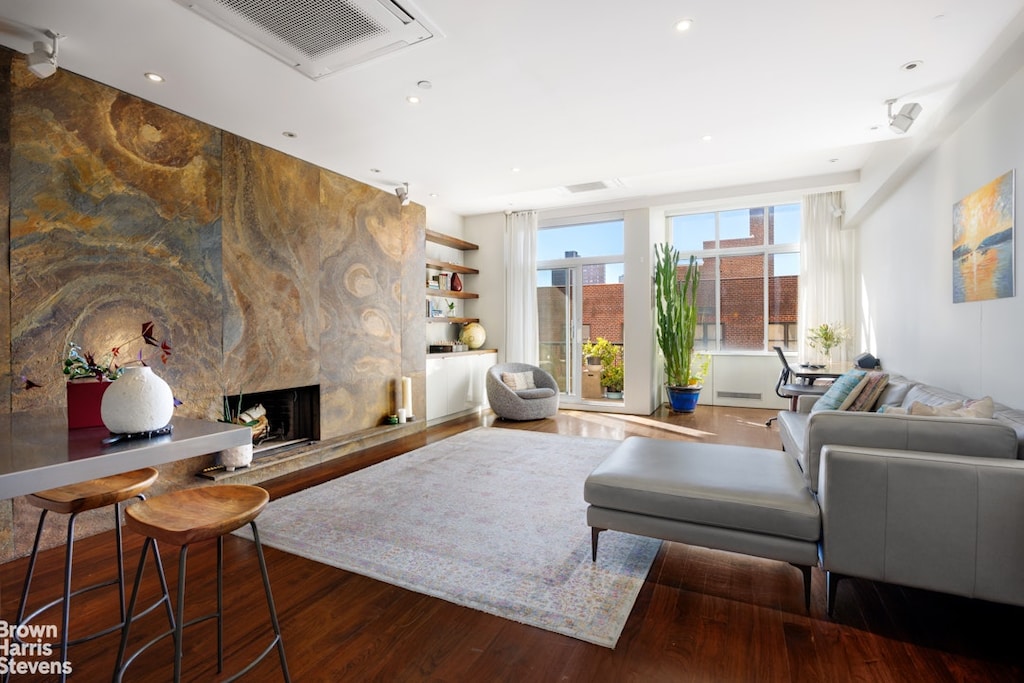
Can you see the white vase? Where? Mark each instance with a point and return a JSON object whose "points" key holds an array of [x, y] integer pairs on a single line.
{"points": [[238, 456], [138, 401]]}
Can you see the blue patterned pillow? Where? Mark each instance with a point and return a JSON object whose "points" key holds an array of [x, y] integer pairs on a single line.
{"points": [[842, 392]]}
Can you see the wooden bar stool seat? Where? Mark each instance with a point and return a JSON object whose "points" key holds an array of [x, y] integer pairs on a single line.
{"points": [[73, 500], [184, 517]]}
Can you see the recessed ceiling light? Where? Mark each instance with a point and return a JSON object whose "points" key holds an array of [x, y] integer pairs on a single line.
{"points": [[433, 195], [374, 170], [705, 138], [833, 160], [425, 85], [514, 169], [684, 25], [289, 134], [910, 66], [155, 77], [412, 99]]}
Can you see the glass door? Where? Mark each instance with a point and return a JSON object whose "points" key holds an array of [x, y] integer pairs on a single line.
{"points": [[558, 325]]}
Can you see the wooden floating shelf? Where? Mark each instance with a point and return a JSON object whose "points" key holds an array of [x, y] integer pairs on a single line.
{"points": [[462, 321], [452, 295], [454, 267], [448, 241]]}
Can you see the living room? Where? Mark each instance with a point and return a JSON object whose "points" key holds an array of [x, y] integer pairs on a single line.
{"points": [[293, 239]]}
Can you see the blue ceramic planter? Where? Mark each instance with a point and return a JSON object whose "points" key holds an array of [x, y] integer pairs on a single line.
{"points": [[683, 399]]}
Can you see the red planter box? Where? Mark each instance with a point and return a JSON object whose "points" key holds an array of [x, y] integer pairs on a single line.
{"points": [[84, 399]]}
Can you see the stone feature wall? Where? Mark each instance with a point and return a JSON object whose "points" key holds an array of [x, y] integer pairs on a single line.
{"points": [[262, 270]]}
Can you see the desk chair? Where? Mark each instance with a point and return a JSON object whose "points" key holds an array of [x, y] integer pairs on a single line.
{"points": [[786, 388]]}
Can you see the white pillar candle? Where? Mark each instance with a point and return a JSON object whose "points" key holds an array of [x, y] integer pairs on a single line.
{"points": [[401, 415], [407, 395]]}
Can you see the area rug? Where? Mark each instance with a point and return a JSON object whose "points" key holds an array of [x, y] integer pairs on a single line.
{"points": [[492, 519]]}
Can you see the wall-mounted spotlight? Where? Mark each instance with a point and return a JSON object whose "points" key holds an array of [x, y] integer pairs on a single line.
{"points": [[403, 194], [901, 122], [42, 61]]}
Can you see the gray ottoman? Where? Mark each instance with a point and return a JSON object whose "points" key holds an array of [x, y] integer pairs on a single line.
{"points": [[753, 501]]}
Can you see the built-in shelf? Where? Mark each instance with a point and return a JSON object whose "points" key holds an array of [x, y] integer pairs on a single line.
{"points": [[449, 241], [434, 264], [449, 294], [461, 321], [442, 266]]}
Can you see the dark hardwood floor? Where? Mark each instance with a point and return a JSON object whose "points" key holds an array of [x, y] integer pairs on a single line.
{"points": [[702, 615]]}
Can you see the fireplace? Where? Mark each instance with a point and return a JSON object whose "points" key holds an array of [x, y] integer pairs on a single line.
{"points": [[288, 417]]}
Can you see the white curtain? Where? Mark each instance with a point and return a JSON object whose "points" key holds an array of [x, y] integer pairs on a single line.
{"points": [[521, 337], [826, 269]]}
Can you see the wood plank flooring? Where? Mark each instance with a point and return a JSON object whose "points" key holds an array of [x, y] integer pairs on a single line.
{"points": [[702, 615]]}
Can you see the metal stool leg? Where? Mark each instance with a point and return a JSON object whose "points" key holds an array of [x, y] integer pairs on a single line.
{"points": [[278, 640], [120, 664]]}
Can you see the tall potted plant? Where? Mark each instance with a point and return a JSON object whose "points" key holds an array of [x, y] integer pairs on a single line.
{"points": [[676, 308]]}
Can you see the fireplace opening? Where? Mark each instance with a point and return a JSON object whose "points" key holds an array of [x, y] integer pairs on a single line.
{"points": [[285, 418]]}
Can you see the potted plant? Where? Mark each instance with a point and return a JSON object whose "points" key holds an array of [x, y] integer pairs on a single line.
{"points": [[676, 309], [610, 357], [826, 337]]}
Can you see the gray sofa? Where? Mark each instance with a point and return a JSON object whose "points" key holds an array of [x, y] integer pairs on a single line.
{"points": [[922, 501]]}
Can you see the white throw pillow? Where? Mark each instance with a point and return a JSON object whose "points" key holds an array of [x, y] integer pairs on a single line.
{"points": [[518, 380]]}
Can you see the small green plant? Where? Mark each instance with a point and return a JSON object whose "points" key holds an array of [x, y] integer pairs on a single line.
{"points": [[676, 307], [451, 308], [612, 377]]}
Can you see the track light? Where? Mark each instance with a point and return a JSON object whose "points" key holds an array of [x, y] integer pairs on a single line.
{"points": [[901, 122], [42, 61], [403, 193]]}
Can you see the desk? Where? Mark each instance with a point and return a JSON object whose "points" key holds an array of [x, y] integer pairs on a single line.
{"points": [[38, 451], [806, 374]]}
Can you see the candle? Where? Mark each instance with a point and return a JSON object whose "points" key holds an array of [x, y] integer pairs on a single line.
{"points": [[407, 395], [401, 415]]}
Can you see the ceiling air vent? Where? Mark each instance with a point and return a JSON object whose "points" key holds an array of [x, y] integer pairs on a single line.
{"points": [[319, 37], [594, 186]]}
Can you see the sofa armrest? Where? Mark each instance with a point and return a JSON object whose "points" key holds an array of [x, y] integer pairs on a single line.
{"points": [[929, 520], [952, 435]]}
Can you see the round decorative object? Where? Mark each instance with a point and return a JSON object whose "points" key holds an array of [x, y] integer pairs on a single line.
{"points": [[456, 282], [238, 456], [138, 401], [473, 335]]}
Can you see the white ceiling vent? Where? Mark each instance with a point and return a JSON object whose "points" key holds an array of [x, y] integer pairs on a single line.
{"points": [[594, 186], [319, 37]]}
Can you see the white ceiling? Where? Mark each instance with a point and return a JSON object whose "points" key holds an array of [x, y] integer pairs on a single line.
{"points": [[566, 91]]}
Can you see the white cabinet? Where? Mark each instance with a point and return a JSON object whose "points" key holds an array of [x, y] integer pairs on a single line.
{"points": [[455, 383]]}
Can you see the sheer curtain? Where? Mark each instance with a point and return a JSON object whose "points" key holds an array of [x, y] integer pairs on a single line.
{"points": [[521, 340], [826, 269]]}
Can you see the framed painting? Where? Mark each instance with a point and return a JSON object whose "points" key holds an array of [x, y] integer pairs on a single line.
{"points": [[983, 242]]}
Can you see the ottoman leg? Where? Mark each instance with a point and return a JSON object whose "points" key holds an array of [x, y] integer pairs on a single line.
{"points": [[594, 531]]}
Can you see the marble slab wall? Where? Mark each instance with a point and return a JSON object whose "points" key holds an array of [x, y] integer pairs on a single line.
{"points": [[262, 270]]}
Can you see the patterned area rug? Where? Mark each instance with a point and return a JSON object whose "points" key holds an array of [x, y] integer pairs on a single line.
{"points": [[492, 519]]}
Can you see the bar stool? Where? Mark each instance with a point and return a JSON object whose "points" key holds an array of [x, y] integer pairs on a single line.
{"points": [[73, 500], [182, 518]]}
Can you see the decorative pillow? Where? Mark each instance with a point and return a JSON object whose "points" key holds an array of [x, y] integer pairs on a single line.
{"points": [[983, 408], [874, 384], [842, 392], [518, 380]]}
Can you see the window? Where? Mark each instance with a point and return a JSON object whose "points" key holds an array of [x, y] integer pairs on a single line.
{"points": [[750, 266], [579, 295]]}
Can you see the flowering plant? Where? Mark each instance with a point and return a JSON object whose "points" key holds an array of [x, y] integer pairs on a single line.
{"points": [[79, 363]]}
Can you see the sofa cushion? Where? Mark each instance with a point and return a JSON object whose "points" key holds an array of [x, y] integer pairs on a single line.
{"points": [[518, 380], [842, 392], [930, 395], [982, 408]]}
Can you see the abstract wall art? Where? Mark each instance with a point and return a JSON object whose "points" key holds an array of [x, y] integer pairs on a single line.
{"points": [[983, 248]]}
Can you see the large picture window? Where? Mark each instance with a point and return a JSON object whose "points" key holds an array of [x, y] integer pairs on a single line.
{"points": [[750, 267]]}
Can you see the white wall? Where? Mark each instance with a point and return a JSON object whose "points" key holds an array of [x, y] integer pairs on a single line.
{"points": [[904, 251], [488, 231]]}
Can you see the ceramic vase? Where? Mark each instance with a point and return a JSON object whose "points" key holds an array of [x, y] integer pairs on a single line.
{"points": [[239, 456], [138, 401]]}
